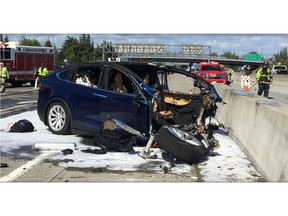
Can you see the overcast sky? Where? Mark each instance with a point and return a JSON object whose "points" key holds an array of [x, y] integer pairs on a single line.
{"points": [[240, 44], [226, 26]]}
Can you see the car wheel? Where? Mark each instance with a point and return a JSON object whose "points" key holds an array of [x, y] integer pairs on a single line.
{"points": [[58, 119], [181, 144]]}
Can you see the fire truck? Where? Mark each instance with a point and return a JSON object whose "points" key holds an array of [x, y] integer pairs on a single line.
{"points": [[23, 61]]}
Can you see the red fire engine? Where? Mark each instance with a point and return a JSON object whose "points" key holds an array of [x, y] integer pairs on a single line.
{"points": [[23, 61]]}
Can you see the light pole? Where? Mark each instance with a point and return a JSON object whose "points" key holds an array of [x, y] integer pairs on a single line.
{"points": [[209, 60], [103, 50]]}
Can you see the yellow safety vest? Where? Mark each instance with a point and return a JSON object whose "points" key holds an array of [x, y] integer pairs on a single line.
{"points": [[4, 72], [264, 76], [42, 72]]}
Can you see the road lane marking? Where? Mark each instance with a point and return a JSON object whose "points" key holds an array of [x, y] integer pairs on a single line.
{"points": [[11, 108], [25, 167], [25, 102]]}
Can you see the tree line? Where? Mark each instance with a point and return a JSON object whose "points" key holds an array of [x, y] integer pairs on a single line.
{"points": [[83, 50]]}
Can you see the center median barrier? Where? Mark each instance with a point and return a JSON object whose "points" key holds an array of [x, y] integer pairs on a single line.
{"points": [[260, 127]]}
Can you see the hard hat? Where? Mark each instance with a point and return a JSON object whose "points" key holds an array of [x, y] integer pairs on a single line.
{"points": [[266, 63]]}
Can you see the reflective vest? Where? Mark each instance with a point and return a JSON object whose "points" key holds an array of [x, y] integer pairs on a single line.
{"points": [[4, 72], [263, 75], [42, 71]]}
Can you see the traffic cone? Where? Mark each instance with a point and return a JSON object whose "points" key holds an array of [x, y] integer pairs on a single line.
{"points": [[245, 88]]}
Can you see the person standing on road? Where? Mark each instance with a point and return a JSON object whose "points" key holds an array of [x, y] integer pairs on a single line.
{"points": [[247, 70], [230, 73], [264, 79], [41, 73], [4, 76]]}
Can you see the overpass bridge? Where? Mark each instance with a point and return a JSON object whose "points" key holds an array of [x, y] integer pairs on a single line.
{"points": [[191, 60], [184, 53]]}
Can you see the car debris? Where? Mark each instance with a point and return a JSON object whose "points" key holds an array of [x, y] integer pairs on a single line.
{"points": [[3, 165]]}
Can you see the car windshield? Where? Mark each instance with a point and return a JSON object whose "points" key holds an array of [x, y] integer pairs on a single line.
{"points": [[280, 67], [211, 68]]}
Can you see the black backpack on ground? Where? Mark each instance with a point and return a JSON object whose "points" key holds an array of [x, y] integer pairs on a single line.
{"points": [[21, 126]]}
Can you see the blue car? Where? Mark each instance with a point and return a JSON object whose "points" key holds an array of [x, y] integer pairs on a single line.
{"points": [[77, 99]]}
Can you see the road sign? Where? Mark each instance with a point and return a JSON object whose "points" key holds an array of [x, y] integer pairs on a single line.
{"points": [[253, 57]]}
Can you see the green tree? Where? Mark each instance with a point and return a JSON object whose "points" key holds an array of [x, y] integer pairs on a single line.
{"points": [[48, 44], [5, 39], [97, 53], [77, 51], [86, 48], [28, 42], [214, 54], [68, 50], [282, 56], [230, 55]]}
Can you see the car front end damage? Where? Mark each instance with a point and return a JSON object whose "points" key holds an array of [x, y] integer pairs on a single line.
{"points": [[181, 128], [179, 121]]}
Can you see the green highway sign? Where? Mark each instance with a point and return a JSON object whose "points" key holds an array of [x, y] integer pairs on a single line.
{"points": [[253, 57]]}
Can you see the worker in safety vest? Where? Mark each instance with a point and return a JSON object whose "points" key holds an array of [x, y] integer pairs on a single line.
{"points": [[230, 73], [264, 79], [3, 76], [41, 72]]}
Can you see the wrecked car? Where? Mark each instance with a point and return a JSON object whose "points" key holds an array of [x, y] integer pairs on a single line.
{"points": [[161, 103]]}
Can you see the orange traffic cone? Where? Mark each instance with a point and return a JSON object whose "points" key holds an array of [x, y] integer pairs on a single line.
{"points": [[245, 88]]}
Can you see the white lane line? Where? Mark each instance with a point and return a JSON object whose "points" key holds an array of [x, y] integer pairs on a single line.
{"points": [[27, 90], [11, 108], [25, 102], [25, 167]]}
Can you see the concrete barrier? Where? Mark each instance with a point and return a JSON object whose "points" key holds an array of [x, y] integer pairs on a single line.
{"points": [[260, 127]]}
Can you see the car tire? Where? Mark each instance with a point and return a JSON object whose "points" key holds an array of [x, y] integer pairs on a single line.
{"points": [[58, 119], [182, 145]]}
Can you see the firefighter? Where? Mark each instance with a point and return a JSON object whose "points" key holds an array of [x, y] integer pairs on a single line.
{"points": [[4, 76], [264, 79], [41, 73]]}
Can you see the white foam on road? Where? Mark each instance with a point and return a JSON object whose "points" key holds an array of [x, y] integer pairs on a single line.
{"points": [[225, 164]]}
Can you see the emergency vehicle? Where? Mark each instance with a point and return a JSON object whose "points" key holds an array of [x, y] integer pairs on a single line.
{"points": [[23, 61]]}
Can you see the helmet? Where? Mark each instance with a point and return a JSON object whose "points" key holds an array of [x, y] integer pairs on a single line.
{"points": [[266, 63]]}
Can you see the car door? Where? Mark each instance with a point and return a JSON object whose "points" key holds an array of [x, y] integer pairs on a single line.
{"points": [[131, 107], [85, 98]]}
